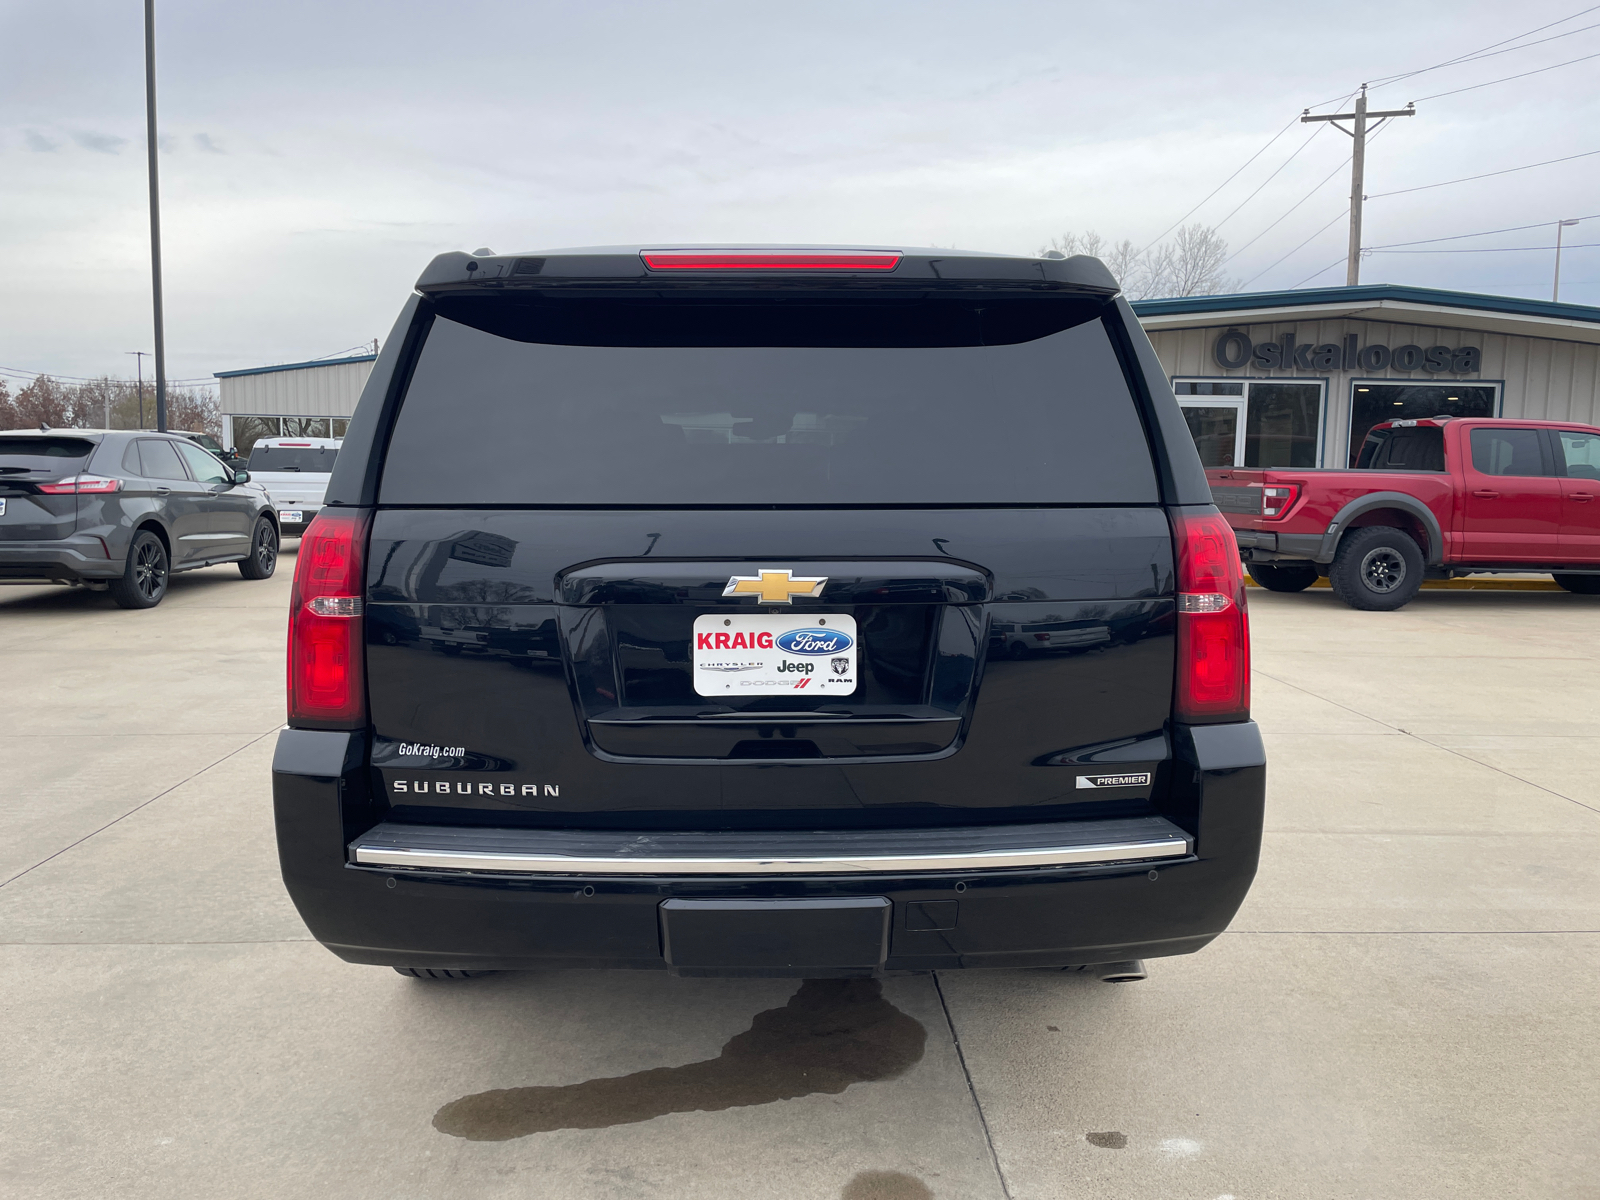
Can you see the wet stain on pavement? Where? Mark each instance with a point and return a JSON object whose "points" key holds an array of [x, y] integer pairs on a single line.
{"points": [[832, 1033], [885, 1185], [1107, 1141]]}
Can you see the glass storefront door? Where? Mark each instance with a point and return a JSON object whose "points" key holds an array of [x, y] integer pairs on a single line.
{"points": [[1254, 422], [1217, 427]]}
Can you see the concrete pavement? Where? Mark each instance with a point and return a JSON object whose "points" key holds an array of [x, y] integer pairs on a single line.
{"points": [[1405, 1007]]}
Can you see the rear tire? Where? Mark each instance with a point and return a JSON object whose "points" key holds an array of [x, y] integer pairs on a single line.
{"points": [[144, 579], [438, 973], [1283, 577], [1377, 569], [1583, 585], [263, 559]]}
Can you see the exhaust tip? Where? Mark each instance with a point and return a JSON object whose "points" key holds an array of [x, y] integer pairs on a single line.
{"points": [[1121, 972]]}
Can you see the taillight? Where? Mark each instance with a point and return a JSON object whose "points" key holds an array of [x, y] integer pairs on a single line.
{"points": [[327, 686], [81, 485], [1213, 629], [771, 260], [1277, 501]]}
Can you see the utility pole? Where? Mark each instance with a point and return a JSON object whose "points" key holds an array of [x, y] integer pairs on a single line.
{"points": [[1555, 290], [1358, 168], [139, 357], [155, 213]]}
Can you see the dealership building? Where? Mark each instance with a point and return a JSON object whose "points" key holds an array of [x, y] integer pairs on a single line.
{"points": [[1295, 379], [307, 399], [1266, 379]]}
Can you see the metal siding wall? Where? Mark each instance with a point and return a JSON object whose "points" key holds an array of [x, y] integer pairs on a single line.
{"points": [[330, 391], [1544, 379]]}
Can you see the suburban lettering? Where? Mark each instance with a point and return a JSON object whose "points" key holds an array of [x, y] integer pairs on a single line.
{"points": [[486, 789], [508, 789], [399, 785], [530, 787]]}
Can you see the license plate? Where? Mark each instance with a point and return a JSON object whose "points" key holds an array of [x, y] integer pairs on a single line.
{"points": [[291, 514], [758, 654]]}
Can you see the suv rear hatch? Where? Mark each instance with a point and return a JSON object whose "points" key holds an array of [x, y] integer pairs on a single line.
{"points": [[37, 503], [919, 471]]}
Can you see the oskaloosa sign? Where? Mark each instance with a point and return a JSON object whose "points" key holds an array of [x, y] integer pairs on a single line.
{"points": [[1234, 349]]}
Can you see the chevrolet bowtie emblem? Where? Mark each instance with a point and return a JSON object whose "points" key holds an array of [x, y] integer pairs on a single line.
{"points": [[772, 586]]}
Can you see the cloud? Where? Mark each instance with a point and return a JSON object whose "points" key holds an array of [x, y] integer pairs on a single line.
{"points": [[39, 144], [207, 143], [103, 143]]}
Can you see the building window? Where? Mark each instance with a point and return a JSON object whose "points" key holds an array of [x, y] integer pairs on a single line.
{"points": [[248, 430], [1372, 402], [1253, 423]]}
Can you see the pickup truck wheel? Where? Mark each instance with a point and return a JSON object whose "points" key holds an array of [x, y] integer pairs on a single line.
{"points": [[1583, 585], [438, 973], [1283, 577], [263, 558], [1377, 569], [144, 580]]}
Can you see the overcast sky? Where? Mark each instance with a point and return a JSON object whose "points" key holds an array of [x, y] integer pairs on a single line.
{"points": [[317, 155]]}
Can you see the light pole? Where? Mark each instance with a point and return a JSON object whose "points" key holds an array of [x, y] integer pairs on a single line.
{"points": [[1555, 289], [155, 211]]}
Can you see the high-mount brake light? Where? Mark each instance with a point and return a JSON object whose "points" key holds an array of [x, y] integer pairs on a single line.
{"points": [[1213, 628], [81, 485], [327, 685], [771, 260]]}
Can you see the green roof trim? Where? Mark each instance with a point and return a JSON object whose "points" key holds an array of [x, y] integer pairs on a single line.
{"points": [[321, 362], [1366, 294]]}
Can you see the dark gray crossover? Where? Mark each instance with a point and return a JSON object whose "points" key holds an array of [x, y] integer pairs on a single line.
{"points": [[773, 612], [120, 510]]}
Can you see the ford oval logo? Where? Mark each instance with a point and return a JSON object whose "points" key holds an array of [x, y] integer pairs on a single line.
{"points": [[815, 641]]}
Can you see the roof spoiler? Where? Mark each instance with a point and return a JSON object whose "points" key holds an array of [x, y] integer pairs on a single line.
{"points": [[628, 268]]}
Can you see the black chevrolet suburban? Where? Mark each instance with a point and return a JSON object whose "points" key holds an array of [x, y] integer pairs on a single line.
{"points": [[661, 614]]}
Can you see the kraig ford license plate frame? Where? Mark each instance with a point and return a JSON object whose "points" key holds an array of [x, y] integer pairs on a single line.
{"points": [[774, 654]]}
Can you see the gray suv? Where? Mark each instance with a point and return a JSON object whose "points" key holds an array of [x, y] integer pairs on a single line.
{"points": [[120, 510]]}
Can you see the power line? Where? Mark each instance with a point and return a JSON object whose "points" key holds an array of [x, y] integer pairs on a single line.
{"points": [[1485, 233], [1386, 80], [1267, 180], [1155, 240], [1299, 248], [1318, 271], [19, 373], [1292, 207], [1486, 175], [1485, 249], [1509, 78]]}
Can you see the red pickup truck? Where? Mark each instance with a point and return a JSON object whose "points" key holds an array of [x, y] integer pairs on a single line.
{"points": [[1427, 499]]}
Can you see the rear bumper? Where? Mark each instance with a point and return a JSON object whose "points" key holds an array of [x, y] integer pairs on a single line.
{"points": [[291, 528], [1147, 903], [1256, 546], [65, 560]]}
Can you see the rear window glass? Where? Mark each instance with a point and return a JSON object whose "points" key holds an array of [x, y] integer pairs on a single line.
{"points": [[42, 453], [849, 403], [1419, 449], [292, 458]]}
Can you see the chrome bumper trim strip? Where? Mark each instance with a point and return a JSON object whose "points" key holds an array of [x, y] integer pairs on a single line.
{"points": [[562, 864]]}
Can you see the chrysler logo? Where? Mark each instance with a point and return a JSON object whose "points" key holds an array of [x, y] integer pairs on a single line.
{"points": [[773, 586]]}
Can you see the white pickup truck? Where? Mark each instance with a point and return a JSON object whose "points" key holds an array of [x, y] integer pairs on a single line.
{"points": [[295, 472]]}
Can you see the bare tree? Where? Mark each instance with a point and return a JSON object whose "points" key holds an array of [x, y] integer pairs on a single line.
{"points": [[84, 406], [1190, 264]]}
